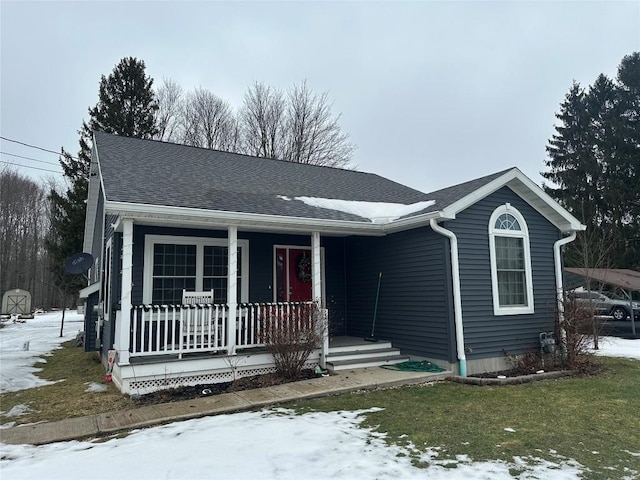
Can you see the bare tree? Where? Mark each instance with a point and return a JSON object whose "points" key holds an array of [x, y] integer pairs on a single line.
{"points": [[168, 117], [298, 127], [207, 121], [263, 121], [23, 226], [313, 134]]}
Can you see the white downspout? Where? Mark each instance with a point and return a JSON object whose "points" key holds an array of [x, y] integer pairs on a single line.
{"points": [[457, 298], [557, 257]]}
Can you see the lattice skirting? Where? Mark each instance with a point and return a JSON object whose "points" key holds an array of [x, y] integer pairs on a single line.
{"points": [[141, 387]]}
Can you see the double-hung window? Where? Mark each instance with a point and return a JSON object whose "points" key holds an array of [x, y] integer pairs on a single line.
{"points": [[174, 264], [511, 278]]}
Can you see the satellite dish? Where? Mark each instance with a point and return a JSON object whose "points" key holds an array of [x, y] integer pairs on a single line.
{"points": [[78, 263]]}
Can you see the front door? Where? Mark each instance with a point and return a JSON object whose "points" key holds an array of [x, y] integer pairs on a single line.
{"points": [[293, 274]]}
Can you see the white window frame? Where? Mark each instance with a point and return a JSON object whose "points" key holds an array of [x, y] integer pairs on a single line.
{"points": [[200, 243], [523, 233]]}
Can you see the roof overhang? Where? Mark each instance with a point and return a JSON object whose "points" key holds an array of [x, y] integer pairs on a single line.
{"points": [[529, 192], [86, 291], [200, 218], [623, 278]]}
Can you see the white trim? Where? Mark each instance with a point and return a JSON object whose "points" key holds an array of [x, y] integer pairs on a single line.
{"points": [[296, 247], [515, 180], [86, 291], [200, 243], [524, 235]]}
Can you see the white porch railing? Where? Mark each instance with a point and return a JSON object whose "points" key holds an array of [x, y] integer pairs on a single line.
{"points": [[179, 329]]}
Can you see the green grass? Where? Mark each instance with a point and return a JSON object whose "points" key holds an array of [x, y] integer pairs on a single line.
{"points": [[66, 398], [572, 416]]}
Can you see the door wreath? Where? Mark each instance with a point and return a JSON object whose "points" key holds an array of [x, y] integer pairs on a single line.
{"points": [[304, 268]]}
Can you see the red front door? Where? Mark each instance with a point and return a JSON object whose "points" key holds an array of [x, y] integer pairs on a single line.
{"points": [[293, 275]]}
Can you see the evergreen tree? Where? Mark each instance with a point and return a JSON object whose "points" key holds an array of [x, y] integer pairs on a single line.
{"points": [[126, 106], [594, 163]]}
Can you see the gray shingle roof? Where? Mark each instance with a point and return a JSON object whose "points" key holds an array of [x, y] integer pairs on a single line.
{"points": [[158, 173]]}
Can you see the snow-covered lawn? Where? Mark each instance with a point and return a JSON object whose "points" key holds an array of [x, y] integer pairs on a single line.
{"points": [[23, 344], [271, 444]]}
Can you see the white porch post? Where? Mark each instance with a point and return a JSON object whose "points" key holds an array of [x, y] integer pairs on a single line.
{"points": [[317, 295], [123, 329], [232, 288]]}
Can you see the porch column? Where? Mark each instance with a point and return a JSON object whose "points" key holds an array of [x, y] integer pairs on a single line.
{"points": [[317, 295], [232, 288], [123, 329]]}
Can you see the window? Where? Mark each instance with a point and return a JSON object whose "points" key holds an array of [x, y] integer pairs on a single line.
{"points": [[173, 264], [510, 262]]}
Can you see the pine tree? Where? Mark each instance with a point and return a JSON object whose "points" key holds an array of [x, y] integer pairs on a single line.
{"points": [[126, 106], [594, 162]]}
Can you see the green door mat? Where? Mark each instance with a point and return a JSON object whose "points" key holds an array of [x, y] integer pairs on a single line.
{"points": [[410, 366]]}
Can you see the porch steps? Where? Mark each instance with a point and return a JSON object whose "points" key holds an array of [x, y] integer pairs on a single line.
{"points": [[363, 355]]}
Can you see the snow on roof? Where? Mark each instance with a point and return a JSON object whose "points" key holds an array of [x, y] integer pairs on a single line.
{"points": [[376, 212]]}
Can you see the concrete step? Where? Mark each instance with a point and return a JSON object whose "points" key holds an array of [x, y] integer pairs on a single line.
{"points": [[359, 354], [365, 362], [364, 346]]}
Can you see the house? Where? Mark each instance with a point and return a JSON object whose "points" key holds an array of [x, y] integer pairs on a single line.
{"points": [[465, 273]]}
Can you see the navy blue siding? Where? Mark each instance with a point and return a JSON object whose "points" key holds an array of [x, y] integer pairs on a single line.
{"points": [[260, 262], [487, 335], [414, 306], [90, 316]]}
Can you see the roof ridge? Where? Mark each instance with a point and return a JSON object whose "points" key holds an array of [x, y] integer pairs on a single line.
{"points": [[231, 153]]}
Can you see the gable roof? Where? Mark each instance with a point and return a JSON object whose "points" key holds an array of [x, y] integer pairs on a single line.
{"points": [[158, 173], [183, 184]]}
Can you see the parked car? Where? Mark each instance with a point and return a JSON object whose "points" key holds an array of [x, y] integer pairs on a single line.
{"points": [[609, 305]]}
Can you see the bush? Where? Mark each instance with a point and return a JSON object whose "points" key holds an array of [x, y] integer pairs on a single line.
{"points": [[292, 336]]}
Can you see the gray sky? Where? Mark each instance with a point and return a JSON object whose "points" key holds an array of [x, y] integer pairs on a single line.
{"points": [[432, 93]]}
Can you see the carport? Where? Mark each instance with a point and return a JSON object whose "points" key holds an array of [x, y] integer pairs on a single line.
{"points": [[628, 281]]}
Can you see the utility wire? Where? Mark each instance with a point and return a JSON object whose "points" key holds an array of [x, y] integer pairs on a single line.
{"points": [[26, 166], [27, 158], [34, 146]]}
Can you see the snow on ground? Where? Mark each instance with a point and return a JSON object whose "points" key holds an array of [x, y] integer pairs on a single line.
{"points": [[618, 347], [271, 444], [17, 358]]}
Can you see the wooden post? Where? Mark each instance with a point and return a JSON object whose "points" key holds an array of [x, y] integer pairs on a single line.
{"points": [[232, 288], [123, 327], [316, 278]]}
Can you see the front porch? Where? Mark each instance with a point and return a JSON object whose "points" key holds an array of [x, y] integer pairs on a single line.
{"points": [[156, 362]]}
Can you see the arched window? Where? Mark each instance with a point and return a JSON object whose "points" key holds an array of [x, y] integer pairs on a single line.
{"points": [[510, 262]]}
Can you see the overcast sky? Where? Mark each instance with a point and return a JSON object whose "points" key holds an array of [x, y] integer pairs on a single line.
{"points": [[431, 93]]}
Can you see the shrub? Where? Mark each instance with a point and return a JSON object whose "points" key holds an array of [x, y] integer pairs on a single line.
{"points": [[292, 336]]}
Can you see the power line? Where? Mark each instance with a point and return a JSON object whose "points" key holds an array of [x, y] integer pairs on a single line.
{"points": [[34, 146], [27, 166], [27, 158]]}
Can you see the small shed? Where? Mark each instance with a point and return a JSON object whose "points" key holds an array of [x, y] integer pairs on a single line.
{"points": [[16, 302]]}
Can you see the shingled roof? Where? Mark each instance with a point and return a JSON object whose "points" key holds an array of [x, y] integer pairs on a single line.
{"points": [[160, 179], [159, 173]]}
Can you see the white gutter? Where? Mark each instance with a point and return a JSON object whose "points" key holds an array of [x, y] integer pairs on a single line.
{"points": [[457, 298], [559, 284]]}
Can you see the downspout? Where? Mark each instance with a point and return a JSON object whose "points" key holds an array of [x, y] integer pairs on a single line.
{"points": [[557, 257], [457, 298]]}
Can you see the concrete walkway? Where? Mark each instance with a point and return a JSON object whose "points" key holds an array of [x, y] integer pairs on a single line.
{"points": [[146, 416]]}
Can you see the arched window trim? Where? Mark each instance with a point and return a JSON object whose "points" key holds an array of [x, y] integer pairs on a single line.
{"points": [[523, 233]]}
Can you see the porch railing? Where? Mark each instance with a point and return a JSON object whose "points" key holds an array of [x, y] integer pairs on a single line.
{"points": [[201, 328]]}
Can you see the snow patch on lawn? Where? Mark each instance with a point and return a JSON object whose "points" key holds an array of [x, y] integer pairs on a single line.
{"points": [[96, 388], [618, 347]]}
